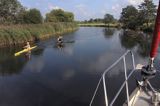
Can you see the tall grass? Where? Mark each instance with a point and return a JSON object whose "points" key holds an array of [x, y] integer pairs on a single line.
{"points": [[99, 25], [19, 34]]}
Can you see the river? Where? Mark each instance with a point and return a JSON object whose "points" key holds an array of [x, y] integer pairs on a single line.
{"points": [[68, 75]]}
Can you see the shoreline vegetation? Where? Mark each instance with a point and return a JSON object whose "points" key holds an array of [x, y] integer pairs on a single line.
{"points": [[143, 18], [116, 25], [18, 24], [20, 34]]}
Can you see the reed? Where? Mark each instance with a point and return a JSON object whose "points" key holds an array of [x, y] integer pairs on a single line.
{"points": [[19, 34], [99, 25]]}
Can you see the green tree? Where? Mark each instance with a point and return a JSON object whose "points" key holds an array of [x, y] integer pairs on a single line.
{"points": [[147, 12], [129, 17], [58, 15], [50, 17], [33, 16], [69, 16], [20, 16], [108, 18], [91, 20], [9, 9]]}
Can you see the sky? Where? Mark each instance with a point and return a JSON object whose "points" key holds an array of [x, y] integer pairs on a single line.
{"points": [[83, 9]]}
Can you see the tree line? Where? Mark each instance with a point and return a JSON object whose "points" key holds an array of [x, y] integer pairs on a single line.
{"points": [[141, 18], [108, 18], [13, 12]]}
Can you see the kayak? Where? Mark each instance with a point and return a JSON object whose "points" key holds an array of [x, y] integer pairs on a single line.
{"points": [[24, 50]]}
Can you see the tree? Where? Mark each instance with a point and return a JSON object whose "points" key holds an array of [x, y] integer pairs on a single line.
{"points": [[147, 12], [69, 16], [33, 16], [108, 18], [129, 17], [50, 17], [91, 20], [108, 32], [58, 15], [9, 10], [20, 16]]}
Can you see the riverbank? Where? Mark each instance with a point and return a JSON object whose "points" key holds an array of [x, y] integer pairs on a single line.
{"points": [[98, 25], [19, 34]]}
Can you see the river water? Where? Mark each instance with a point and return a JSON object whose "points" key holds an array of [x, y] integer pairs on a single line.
{"points": [[68, 75]]}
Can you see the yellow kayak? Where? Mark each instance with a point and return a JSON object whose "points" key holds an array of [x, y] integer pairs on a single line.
{"points": [[24, 50]]}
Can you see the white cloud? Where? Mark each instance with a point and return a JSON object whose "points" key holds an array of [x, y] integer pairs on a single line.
{"points": [[135, 2], [83, 12], [81, 8], [116, 7], [116, 10], [51, 6]]}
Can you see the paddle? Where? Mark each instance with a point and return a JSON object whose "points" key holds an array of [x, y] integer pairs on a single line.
{"points": [[69, 42], [24, 50]]}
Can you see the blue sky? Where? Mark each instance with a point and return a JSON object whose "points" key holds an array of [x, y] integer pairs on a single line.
{"points": [[83, 9]]}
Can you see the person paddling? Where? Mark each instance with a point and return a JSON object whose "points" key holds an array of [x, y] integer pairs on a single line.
{"points": [[28, 53], [27, 46], [60, 39]]}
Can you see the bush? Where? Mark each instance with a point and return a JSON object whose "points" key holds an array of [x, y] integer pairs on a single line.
{"points": [[11, 35]]}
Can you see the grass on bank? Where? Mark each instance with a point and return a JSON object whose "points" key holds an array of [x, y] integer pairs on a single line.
{"points": [[98, 25], [18, 34]]}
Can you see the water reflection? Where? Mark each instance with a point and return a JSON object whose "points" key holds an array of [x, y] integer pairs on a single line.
{"points": [[59, 45], [145, 45], [142, 41], [9, 64], [128, 39], [28, 55], [67, 75], [35, 65], [108, 32], [38, 52]]}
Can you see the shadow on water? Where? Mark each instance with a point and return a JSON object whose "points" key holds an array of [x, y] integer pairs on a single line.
{"points": [[109, 32], [8, 63], [38, 51], [140, 41]]}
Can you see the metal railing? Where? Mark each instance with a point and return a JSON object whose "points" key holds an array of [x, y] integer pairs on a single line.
{"points": [[102, 79]]}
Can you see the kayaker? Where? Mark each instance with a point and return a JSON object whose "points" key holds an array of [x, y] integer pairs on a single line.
{"points": [[60, 39], [27, 46]]}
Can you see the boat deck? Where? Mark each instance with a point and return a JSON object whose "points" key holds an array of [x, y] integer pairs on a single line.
{"points": [[142, 98]]}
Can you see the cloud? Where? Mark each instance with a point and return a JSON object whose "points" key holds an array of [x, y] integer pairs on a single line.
{"points": [[67, 74], [35, 65], [51, 7], [116, 7], [82, 11], [116, 10], [135, 2]]}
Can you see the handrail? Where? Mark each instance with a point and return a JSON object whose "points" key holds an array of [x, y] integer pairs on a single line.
{"points": [[122, 86]]}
